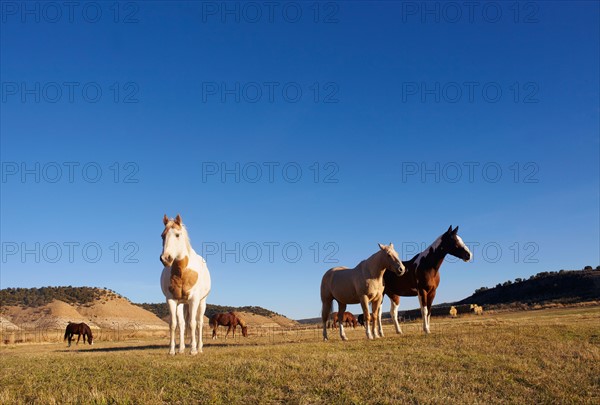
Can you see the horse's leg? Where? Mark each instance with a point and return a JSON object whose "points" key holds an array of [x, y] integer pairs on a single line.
{"points": [[325, 311], [394, 305], [377, 327], [341, 310], [430, 298], [379, 314], [193, 308], [181, 322], [173, 325], [364, 303], [424, 310], [78, 337], [70, 337], [201, 310], [228, 330]]}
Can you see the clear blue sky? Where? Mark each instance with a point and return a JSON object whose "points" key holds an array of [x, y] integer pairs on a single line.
{"points": [[378, 104]]}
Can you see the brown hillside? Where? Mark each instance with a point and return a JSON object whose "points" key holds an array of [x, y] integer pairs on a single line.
{"points": [[265, 321], [254, 320], [119, 310], [56, 312], [54, 307], [7, 326], [101, 314]]}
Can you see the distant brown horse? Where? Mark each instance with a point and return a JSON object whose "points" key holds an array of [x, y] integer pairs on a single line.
{"points": [[78, 329], [349, 320], [362, 284], [231, 320], [422, 276]]}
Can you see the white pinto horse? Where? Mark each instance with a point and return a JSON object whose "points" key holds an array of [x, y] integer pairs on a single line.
{"points": [[184, 280]]}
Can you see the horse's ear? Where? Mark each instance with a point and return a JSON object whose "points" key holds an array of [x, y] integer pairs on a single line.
{"points": [[178, 219], [449, 229], [391, 245], [455, 230], [381, 246], [165, 219]]}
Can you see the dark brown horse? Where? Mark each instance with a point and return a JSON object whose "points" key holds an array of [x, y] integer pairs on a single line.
{"points": [[349, 320], [78, 329], [422, 276], [231, 320]]}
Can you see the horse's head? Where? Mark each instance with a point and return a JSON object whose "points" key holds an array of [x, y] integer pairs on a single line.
{"points": [[242, 325], [90, 339], [393, 262], [175, 241], [453, 244]]}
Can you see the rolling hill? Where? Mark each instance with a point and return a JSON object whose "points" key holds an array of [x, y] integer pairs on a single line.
{"points": [[54, 307], [564, 286]]}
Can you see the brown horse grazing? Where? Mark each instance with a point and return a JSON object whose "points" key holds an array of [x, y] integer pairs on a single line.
{"points": [[349, 320], [231, 320], [78, 329], [422, 276], [362, 284], [332, 323]]}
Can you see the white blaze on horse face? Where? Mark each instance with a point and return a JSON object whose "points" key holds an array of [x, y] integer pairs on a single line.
{"points": [[462, 245], [176, 244]]}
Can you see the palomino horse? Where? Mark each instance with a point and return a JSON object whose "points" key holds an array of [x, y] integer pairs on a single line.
{"points": [[184, 280], [231, 320], [362, 284], [422, 275], [78, 329], [349, 320]]}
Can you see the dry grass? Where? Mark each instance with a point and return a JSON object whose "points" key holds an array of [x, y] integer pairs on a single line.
{"points": [[549, 356]]}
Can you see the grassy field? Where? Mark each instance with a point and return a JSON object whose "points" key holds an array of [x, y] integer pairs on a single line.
{"points": [[547, 356]]}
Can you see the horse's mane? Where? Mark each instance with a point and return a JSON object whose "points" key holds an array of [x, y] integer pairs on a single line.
{"points": [[434, 245], [237, 316], [188, 243]]}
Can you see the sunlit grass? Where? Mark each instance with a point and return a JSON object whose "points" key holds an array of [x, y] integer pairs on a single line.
{"points": [[550, 356]]}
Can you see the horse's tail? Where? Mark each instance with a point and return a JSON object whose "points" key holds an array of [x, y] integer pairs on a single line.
{"points": [[67, 331]]}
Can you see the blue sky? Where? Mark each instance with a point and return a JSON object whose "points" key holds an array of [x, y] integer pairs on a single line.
{"points": [[293, 137]]}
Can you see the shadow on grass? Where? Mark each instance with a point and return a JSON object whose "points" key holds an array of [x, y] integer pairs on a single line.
{"points": [[115, 349], [141, 347]]}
